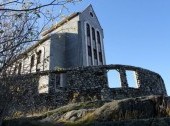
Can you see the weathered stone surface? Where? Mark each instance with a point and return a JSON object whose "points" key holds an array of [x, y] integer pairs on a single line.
{"points": [[83, 84], [148, 111], [134, 122], [133, 108], [76, 114]]}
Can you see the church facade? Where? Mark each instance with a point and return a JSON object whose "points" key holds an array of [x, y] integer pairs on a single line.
{"points": [[75, 41]]}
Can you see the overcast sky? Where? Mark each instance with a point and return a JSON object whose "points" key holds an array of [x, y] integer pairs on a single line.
{"points": [[136, 32]]}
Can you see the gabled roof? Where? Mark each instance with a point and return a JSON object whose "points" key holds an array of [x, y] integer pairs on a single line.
{"points": [[61, 23], [91, 7], [45, 37], [68, 19], [52, 29]]}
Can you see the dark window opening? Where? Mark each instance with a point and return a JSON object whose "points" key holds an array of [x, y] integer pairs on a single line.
{"points": [[98, 37], [91, 14], [95, 53], [89, 51], [88, 30], [37, 70], [38, 57], [100, 57], [93, 34], [15, 69], [19, 68], [57, 80], [32, 60]]}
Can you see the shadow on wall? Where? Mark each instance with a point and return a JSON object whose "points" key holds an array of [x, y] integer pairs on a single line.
{"points": [[20, 93]]}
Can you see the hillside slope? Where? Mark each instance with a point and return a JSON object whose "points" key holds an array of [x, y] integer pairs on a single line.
{"points": [[148, 111]]}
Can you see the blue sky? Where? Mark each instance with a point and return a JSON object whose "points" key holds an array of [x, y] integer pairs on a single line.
{"points": [[136, 32]]}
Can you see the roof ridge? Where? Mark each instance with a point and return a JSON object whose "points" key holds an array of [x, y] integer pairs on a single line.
{"points": [[60, 23]]}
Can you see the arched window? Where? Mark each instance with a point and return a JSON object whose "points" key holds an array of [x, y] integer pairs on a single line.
{"points": [[89, 51], [32, 61], [93, 34], [95, 53], [15, 69], [88, 30], [39, 56], [19, 68], [98, 37], [100, 57]]}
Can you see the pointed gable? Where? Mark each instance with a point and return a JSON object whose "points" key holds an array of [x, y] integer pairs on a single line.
{"points": [[89, 15]]}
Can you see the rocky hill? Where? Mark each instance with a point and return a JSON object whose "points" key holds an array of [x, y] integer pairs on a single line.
{"points": [[141, 111]]}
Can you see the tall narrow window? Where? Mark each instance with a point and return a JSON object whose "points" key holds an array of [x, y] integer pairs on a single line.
{"points": [[89, 51], [93, 34], [32, 61], [99, 41], [98, 37], [88, 30], [95, 53], [15, 69], [38, 56], [100, 57], [57, 80], [19, 68]]}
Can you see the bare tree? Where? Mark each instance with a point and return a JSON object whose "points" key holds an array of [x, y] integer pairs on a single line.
{"points": [[20, 24]]}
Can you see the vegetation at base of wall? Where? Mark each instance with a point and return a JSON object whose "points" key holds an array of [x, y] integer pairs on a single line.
{"points": [[148, 110], [74, 106], [168, 111]]}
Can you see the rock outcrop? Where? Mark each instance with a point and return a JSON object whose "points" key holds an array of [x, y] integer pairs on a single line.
{"points": [[148, 111]]}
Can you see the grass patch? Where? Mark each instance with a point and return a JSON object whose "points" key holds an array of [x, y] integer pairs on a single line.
{"points": [[74, 106]]}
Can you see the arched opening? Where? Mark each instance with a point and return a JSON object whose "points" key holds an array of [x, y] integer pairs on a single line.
{"points": [[15, 69], [93, 34], [88, 30], [93, 38], [39, 56], [113, 79], [100, 57], [19, 68], [98, 37], [32, 61], [99, 41]]}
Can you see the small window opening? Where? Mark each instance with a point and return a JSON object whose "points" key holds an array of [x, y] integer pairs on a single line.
{"points": [[95, 53], [15, 69], [19, 68], [93, 34], [131, 79], [37, 70], [100, 57], [98, 37], [32, 60], [88, 30], [39, 57], [114, 79], [89, 51], [91, 14], [57, 80]]}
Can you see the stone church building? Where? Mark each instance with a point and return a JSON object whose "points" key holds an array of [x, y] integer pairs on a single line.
{"points": [[75, 41]]}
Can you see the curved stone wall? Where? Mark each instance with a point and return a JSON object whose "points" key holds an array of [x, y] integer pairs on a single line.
{"points": [[81, 84], [82, 78]]}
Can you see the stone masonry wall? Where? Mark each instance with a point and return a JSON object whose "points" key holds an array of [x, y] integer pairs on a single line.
{"points": [[94, 77], [20, 93]]}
